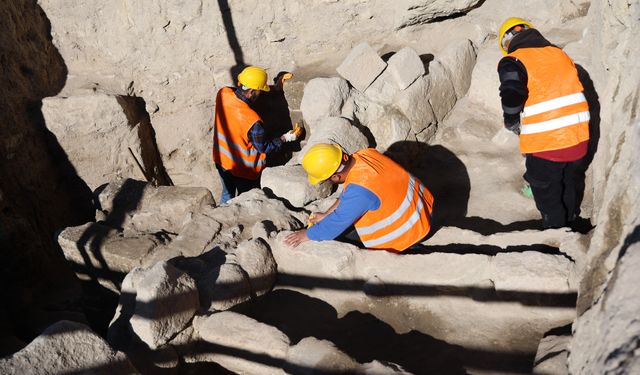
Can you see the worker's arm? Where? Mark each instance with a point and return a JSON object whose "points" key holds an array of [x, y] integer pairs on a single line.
{"points": [[257, 137], [354, 202], [513, 91]]}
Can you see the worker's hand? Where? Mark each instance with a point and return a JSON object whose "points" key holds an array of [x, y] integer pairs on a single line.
{"points": [[296, 238], [293, 134]]}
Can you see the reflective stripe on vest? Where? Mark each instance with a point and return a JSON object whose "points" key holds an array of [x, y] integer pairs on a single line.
{"points": [[403, 217], [232, 149], [556, 113], [404, 228], [252, 153]]}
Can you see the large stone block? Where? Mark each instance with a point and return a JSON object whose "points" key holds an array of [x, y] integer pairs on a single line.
{"points": [[361, 67], [104, 254], [97, 136], [312, 353], [334, 130], [141, 207], [256, 260], [459, 61], [291, 183], [531, 271], [405, 66], [323, 97], [414, 104], [166, 300], [391, 128], [442, 94], [67, 348], [383, 89], [231, 334]]}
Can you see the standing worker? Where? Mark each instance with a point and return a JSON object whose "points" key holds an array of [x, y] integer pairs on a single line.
{"points": [[239, 144], [543, 102], [390, 208]]}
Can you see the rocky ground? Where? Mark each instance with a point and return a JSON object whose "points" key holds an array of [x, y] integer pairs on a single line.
{"points": [[174, 283]]}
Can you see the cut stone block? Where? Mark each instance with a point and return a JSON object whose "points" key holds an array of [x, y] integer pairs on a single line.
{"points": [[229, 332], [335, 130], [413, 103], [405, 66], [141, 207], [67, 348], [291, 183], [383, 89], [323, 97], [442, 94], [361, 67], [256, 260], [166, 300], [459, 61]]}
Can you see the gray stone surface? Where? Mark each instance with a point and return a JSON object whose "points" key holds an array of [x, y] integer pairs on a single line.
{"points": [[551, 357], [141, 207], [96, 249], [391, 128], [166, 300], [291, 183], [86, 123], [323, 97], [231, 333], [459, 61], [413, 103], [405, 66], [224, 287], [606, 337], [67, 348], [256, 260], [531, 271], [322, 355], [361, 67], [334, 130], [442, 94], [383, 89]]}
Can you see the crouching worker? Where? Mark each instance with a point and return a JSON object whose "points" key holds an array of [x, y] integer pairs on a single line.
{"points": [[389, 208]]}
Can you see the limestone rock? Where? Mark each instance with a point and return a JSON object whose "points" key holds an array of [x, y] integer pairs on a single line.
{"points": [[245, 210], [361, 67], [256, 260], [166, 300], [412, 102], [383, 89], [405, 67], [335, 130], [391, 128], [423, 11], [551, 357], [143, 208], [102, 141], [231, 334], [96, 249], [421, 292], [224, 287], [605, 339], [196, 235], [459, 61], [323, 97], [64, 348], [292, 184], [442, 94], [311, 353], [531, 271]]}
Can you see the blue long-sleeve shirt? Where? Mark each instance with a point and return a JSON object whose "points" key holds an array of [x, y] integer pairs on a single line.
{"points": [[355, 201], [256, 133]]}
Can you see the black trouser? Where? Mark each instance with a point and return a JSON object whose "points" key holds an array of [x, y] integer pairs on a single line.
{"points": [[554, 187]]}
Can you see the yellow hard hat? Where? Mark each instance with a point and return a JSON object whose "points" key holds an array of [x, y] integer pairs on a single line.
{"points": [[508, 25], [254, 78], [321, 161]]}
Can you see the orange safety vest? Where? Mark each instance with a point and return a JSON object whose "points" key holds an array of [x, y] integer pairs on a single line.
{"points": [[404, 215], [556, 113], [232, 149]]}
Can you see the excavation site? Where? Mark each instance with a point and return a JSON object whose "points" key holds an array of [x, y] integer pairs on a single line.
{"points": [[320, 187]]}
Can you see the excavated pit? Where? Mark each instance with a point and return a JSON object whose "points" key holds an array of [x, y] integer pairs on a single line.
{"points": [[173, 283]]}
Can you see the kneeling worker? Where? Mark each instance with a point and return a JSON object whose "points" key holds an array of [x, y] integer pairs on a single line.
{"points": [[390, 208]]}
